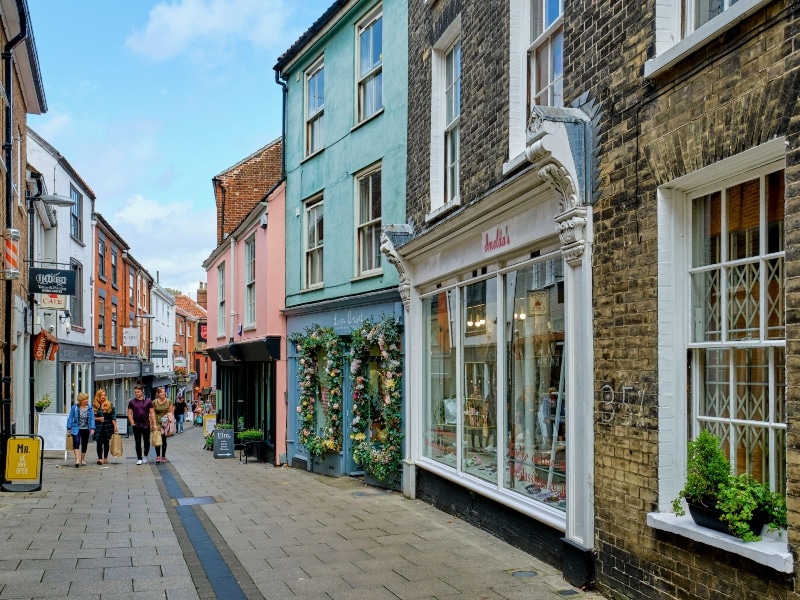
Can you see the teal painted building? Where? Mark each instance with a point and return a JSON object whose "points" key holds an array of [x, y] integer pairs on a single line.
{"points": [[345, 102]]}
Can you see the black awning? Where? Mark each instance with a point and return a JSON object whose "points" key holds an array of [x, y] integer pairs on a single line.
{"points": [[261, 350]]}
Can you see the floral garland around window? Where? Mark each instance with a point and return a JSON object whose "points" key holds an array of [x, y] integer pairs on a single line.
{"points": [[381, 455], [319, 438]]}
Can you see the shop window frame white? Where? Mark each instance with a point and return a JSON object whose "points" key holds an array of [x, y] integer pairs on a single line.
{"points": [[439, 202], [674, 337], [674, 41]]}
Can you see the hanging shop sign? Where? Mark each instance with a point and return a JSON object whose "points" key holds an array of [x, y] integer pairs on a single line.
{"points": [[51, 281], [53, 301]]}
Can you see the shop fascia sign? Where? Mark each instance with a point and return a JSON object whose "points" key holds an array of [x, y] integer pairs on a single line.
{"points": [[498, 239]]}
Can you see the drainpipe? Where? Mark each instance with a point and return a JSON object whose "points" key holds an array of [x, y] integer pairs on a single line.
{"points": [[8, 149], [280, 82]]}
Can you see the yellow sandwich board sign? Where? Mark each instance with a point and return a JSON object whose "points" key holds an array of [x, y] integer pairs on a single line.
{"points": [[24, 459]]}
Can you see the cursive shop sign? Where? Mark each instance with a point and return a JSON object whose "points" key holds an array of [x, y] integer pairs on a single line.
{"points": [[497, 239], [51, 281]]}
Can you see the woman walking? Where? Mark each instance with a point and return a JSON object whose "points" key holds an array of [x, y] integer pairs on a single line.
{"points": [[105, 417], [80, 425], [163, 407]]}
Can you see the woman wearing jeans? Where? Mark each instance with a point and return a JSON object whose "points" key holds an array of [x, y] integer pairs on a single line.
{"points": [[80, 424], [141, 416]]}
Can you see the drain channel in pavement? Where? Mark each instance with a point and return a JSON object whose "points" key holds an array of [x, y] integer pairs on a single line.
{"points": [[211, 562]]}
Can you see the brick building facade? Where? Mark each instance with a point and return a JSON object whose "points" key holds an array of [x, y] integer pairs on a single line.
{"points": [[713, 114], [239, 188]]}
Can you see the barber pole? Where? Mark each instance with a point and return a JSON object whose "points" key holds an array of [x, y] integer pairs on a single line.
{"points": [[11, 254]]}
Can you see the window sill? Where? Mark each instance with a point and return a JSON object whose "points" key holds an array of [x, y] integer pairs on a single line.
{"points": [[312, 155], [314, 287], [770, 551], [368, 275], [716, 26], [442, 210], [377, 113]]}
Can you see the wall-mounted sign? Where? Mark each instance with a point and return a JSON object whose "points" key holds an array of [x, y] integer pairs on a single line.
{"points": [[179, 361], [203, 332], [158, 354], [51, 281], [498, 239], [53, 301], [130, 337]]}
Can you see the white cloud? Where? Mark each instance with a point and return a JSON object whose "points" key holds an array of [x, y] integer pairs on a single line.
{"points": [[58, 121], [171, 240], [182, 26]]}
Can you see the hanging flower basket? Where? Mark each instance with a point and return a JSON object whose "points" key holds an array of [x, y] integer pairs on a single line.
{"points": [[319, 438], [381, 454]]}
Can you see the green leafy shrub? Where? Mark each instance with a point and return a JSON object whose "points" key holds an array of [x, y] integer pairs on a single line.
{"points": [[251, 435]]}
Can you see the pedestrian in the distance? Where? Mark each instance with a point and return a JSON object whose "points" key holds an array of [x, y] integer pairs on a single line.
{"points": [[180, 412], [105, 418], [142, 418], [80, 424], [163, 407]]}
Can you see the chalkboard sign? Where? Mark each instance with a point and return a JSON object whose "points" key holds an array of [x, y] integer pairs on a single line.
{"points": [[53, 428], [223, 443]]}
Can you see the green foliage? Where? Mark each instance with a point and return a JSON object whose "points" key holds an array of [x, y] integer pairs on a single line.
{"points": [[224, 426], [44, 401], [707, 469], [251, 435], [741, 499]]}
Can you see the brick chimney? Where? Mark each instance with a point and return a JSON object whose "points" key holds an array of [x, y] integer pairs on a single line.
{"points": [[202, 295]]}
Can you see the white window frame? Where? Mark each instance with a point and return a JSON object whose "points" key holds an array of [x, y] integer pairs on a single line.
{"points": [[674, 338], [438, 166], [546, 39], [315, 119], [221, 300], [76, 214], [674, 43], [369, 84], [317, 246], [250, 281], [367, 228]]}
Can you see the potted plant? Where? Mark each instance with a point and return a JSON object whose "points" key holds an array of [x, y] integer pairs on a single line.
{"points": [[43, 402], [251, 435], [738, 505]]}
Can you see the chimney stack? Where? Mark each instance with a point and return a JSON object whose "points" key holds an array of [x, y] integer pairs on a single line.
{"points": [[202, 295]]}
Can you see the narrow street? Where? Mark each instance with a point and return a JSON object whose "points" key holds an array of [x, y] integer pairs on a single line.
{"points": [[199, 527]]}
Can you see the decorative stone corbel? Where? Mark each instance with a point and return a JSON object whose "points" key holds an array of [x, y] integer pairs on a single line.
{"points": [[404, 288]]}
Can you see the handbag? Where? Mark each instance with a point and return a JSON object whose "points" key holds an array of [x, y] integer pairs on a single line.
{"points": [[155, 438], [69, 441], [116, 445], [168, 425]]}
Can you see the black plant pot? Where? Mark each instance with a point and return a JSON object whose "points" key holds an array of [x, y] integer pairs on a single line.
{"points": [[709, 517]]}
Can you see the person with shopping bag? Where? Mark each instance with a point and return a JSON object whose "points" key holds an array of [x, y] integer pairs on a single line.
{"points": [[105, 417], [141, 416], [166, 420], [80, 424]]}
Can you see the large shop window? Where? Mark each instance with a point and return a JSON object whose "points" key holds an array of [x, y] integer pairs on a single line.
{"points": [[516, 442]]}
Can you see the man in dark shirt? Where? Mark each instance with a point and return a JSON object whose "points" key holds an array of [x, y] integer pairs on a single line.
{"points": [[180, 411], [142, 417]]}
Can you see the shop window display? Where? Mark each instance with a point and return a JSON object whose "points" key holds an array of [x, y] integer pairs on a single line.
{"points": [[535, 461], [525, 436]]}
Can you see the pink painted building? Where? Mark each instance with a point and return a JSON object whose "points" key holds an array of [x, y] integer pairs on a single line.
{"points": [[246, 334]]}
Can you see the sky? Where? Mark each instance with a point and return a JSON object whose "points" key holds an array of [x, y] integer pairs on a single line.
{"points": [[148, 101]]}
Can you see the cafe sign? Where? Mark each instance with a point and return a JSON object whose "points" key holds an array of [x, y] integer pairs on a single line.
{"points": [[51, 281]]}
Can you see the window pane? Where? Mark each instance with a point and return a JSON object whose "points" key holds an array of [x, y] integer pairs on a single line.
{"points": [[706, 306], [744, 302], [479, 339], [377, 42], [707, 221], [743, 219], [552, 11], [534, 410], [439, 428], [715, 376]]}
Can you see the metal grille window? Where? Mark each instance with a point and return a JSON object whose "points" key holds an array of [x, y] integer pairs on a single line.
{"points": [[221, 300], [315, 108], [737, 349], [250, 281], [314, 243], [76, 214], [369, 222], [370, 66], [452, 118], [546, 53]]}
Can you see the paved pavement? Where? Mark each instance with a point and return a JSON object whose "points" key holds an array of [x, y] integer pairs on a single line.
{"points": [[197, 527]]}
